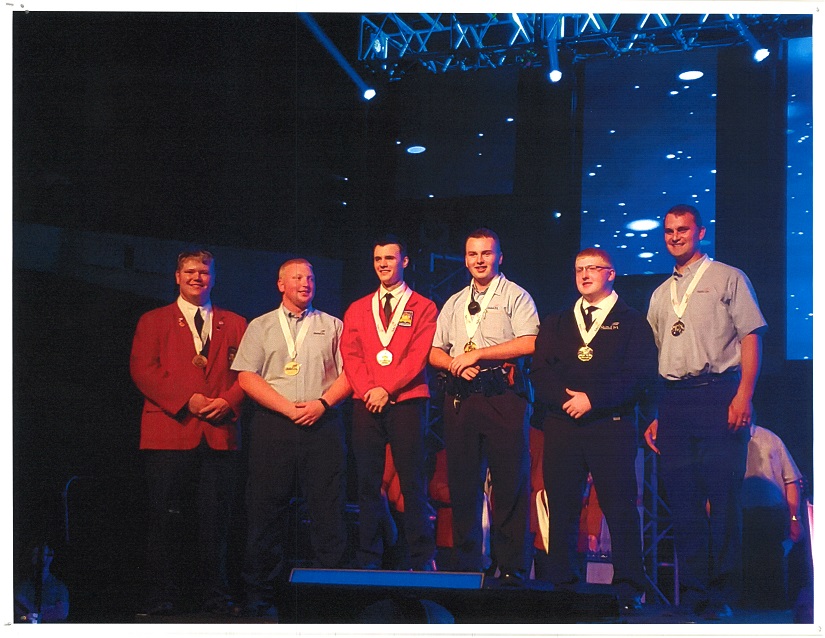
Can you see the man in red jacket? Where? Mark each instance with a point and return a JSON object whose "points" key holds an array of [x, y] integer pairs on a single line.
{"points": [[385, 345], [180, 361]]}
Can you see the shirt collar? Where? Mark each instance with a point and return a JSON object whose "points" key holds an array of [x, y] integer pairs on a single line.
{"points": [[396, 292], [599, 305], [292, 315], [189, 309], [690, 268]]}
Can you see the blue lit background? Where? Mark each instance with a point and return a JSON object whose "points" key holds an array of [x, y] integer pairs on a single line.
{"points": [[800, 200], [649, 143]]}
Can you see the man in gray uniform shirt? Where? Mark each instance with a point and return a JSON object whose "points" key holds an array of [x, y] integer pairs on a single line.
{"points": [[482, 335], [708, 326], [289, 363]]}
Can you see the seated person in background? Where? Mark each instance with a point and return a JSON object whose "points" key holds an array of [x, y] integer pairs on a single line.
{"points": [[771, 497], [43, 597]]}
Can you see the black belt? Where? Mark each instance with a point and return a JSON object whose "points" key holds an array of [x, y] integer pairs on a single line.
{"points": [[489, 382], [701, 379], [617, 413]]}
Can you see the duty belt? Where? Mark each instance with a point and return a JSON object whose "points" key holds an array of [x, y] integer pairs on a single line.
{"points": [[489, 382]]}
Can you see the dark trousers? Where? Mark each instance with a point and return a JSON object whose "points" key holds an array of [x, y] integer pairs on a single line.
{"points": [[703, 462], [607, 449], [489, 432], [187, 487], [403, 425], [283, 458]]}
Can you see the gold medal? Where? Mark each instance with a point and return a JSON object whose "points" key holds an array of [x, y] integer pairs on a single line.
{"points": [[469, 346], [292, 368], [585, 353], [384, 357], [199, 361], [678, 328]]}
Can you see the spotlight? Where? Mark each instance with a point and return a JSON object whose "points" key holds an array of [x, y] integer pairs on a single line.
{"points": [[552, 50], [759, 52], [369, 94]]}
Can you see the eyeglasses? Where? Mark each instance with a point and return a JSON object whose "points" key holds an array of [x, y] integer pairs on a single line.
{"points": [[591, 270]]}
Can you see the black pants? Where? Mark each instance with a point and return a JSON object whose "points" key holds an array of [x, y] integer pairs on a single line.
{"points": [[186, 488], [607, 449], [403, 425], [283, 458], [703, 462], [489, 432]]}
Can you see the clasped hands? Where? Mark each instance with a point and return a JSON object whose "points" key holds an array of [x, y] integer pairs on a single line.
{"points": [[209, 408]]}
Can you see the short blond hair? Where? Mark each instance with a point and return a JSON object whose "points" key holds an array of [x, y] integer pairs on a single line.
{"points": [[292, 262]]}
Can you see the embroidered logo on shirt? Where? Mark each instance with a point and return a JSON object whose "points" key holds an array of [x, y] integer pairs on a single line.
{"points": [[405, 320], [612, 326]]}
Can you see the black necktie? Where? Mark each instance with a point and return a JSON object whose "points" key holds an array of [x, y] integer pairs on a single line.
{"points": [[199, 327], [387, 308], [588, 316]]}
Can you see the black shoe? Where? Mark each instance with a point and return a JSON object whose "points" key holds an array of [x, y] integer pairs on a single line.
{"points": [[511, 579], [715, 611], [427, 566], [221, 605], [260, 609], [630, 606], [629, 597]]}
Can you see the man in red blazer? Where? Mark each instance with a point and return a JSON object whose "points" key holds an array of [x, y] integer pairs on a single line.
{"points": [[385, 345], [180, 361]]}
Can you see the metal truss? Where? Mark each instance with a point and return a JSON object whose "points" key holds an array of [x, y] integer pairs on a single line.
{"points": [[657, 536], [393, 44]]}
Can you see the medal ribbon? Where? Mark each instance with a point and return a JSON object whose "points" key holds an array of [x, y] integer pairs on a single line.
{"points": [[679, 307], [472, 322], [605, 306], [293, 344], [385, 336]]}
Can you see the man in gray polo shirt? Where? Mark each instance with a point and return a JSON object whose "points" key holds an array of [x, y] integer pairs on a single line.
{"points": [[708, 326], [482, 335], [289, 363]]}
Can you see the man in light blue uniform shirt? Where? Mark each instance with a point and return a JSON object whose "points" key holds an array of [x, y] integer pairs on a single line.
{"points": [[289, 363], [708, 328], [483, 334]]}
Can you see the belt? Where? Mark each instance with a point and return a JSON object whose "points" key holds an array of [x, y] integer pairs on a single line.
{"points": [[596, 415], [489, 382], [701, 379]]}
